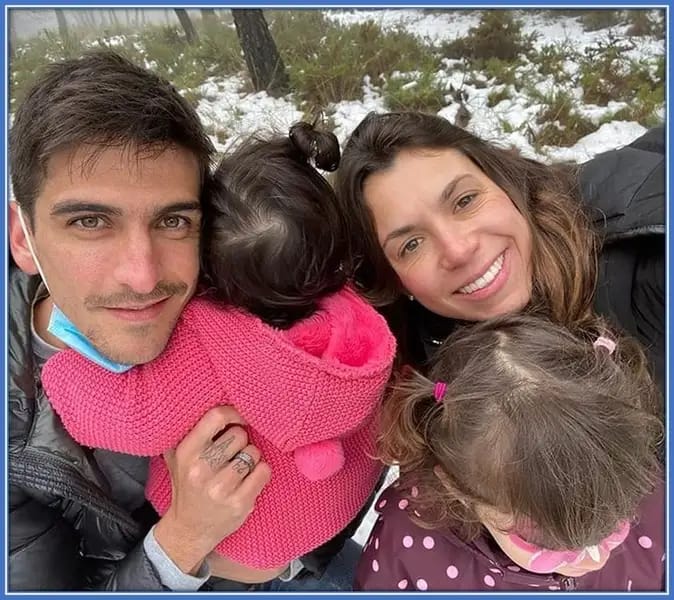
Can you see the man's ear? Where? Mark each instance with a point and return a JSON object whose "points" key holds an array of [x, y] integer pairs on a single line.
{"points": [[17, 242]]}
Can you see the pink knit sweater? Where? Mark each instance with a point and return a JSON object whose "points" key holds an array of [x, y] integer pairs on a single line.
{"points": [[319, 381]]}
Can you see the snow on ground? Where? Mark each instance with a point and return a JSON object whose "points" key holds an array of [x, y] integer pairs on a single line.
{"points": [[236, 114], [231, 115]]}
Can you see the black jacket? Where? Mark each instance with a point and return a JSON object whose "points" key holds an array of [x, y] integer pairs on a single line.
{"points": [[624, 192], [65, 530]]}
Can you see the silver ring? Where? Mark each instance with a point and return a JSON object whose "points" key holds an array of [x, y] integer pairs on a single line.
{"points": [[246, 459]]}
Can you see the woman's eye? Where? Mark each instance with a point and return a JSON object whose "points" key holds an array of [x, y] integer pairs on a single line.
{"points": [[410, 247], [465, 200]]}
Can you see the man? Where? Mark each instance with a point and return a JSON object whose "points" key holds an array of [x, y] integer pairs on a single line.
{"points": [[108, 163]]}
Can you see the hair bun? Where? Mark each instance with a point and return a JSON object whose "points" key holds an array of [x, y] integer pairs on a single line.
{"points": [[320, 148]]}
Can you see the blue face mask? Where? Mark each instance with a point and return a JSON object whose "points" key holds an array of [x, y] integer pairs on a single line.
{"points": [[64, 329]]}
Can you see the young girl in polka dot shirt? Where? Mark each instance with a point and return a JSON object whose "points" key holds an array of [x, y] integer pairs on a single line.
{"points": [[528, 459]]}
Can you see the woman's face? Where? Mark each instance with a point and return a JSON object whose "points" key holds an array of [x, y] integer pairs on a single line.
{"points": [[455, 239]]}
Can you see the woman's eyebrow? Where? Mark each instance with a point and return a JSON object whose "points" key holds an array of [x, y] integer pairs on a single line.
{"points": [[447, 193], [397, 233]]}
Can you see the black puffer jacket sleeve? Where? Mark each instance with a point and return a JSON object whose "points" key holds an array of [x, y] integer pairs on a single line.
{"points": [[43, 547], [44, 554]]}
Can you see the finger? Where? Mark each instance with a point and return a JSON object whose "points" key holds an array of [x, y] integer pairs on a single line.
{"points": [[214, 421], [254, 483], [244, 462], [219, 453], [238, 493]]}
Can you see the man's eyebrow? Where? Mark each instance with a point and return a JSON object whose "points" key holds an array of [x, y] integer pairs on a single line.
{"points": [[68, 207], [185, 206]]}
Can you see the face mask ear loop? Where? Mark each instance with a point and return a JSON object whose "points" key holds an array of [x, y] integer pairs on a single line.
{"points": [[27, 235]]}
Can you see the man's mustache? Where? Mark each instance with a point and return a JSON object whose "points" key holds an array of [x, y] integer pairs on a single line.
{"points": [[163, 289]]}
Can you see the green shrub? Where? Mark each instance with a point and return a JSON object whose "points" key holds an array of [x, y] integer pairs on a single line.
{"points": [[593, 20], [497, 35], [497, 95], [606, 73], [550, 60], [561, 124], [420, 92], [643, 22], [501, 71], [327, 62], [30, 57]]}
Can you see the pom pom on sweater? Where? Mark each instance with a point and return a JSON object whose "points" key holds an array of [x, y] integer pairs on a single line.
{"points": [[320, 460]]}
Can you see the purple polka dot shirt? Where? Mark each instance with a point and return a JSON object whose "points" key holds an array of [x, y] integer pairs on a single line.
{"points": [[400, 555]]}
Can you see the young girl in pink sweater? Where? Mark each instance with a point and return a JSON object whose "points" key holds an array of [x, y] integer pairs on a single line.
{"points": [[276, 333]]}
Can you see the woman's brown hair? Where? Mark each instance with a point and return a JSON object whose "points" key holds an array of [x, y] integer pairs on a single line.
{"points": [[536, 422], [564, 256]]}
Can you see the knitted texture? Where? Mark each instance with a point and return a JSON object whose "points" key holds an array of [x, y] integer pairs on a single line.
{"points": [[319, 380]]}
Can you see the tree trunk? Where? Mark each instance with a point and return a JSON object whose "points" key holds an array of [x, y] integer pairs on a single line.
{"points": [[186, 22], [265, 65], [63, 26], [208, 16]]}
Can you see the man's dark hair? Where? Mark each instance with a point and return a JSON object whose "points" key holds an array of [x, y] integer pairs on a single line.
{"points": [[105, 101], [273, 239]]}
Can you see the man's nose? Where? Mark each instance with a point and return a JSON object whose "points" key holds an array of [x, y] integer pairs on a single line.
{"points": [[137, 263]]}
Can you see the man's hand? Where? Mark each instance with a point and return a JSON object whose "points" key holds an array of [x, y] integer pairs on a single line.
{"points": [[214, 490]]}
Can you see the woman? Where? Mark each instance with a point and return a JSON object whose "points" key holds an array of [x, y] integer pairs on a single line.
{"points": [[446, 228]]}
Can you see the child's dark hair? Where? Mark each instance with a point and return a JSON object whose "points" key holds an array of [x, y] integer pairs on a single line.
{"points": [[273, 238], [536, 422]]}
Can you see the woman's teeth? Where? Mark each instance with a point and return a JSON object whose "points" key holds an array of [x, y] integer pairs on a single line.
{"points": [[484, 280]]}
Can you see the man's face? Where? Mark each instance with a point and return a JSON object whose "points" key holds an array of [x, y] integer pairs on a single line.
{"points": [[118, 244]]}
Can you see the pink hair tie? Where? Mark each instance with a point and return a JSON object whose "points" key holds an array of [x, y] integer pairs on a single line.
{"points": [[604, 342], [439, 390]]}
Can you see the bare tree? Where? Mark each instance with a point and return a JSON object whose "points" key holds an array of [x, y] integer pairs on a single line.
{"points": [[63, 26], [264, 62], [190, 32]]}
